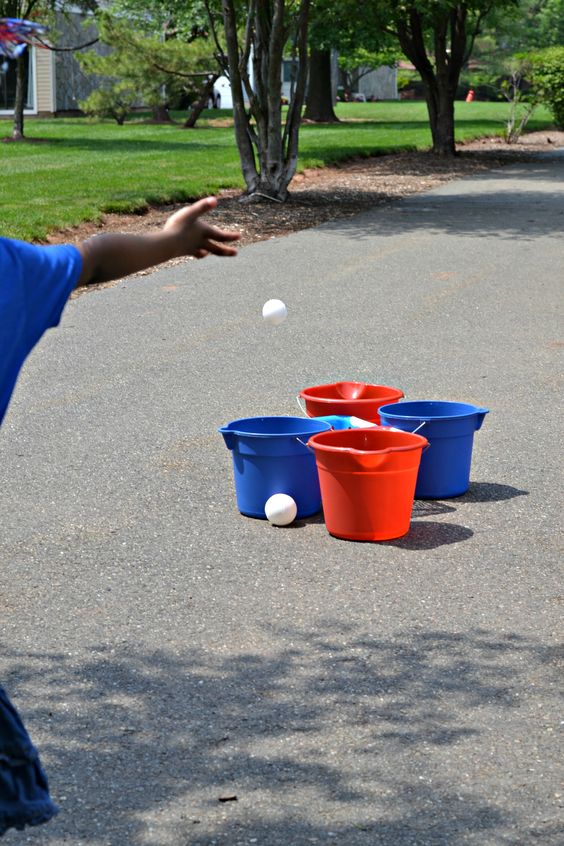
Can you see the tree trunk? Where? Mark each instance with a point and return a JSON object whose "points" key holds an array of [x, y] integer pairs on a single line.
{"points": [[441, 78], [440, 105], [21, 85], [267, 148], [319, 100], [237, 67], [161, 114], [198, 107]]}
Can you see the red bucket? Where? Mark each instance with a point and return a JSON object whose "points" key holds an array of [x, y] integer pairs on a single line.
{"points": [[349, 399], [367, 479]]}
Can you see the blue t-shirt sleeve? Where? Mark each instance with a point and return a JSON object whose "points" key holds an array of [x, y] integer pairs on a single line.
{"points": [[35, 284]]}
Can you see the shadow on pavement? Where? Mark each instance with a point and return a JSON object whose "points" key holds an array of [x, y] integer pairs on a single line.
{"points": [[327, 732], [428, 534], [428, 507], [491, 212], [490, 492]]}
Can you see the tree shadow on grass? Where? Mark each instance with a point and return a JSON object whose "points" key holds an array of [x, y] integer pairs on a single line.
{"points": [[134, 146], [323, 732]]}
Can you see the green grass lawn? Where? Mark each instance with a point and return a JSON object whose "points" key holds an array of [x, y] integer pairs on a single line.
{"points": [[79, 168]]}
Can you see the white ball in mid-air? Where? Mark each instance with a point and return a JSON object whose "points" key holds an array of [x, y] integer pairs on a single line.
{"points": [[274, 312], [280, 510]]}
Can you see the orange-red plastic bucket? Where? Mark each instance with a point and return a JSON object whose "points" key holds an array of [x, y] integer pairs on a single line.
{"points": [[354, 399], [367, 479]]}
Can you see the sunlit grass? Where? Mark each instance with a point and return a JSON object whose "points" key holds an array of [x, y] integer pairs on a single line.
{"points": [[76, 169]]}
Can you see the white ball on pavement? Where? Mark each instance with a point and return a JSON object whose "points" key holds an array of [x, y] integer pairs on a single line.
{"points": [[280, 510], [274, 312]]}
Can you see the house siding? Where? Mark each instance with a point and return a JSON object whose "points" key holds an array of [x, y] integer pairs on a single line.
{"points": [[73, 84], [380, 84], [44, 82]]}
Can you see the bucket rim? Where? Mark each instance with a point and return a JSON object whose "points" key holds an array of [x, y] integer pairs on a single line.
{"points": [[394, 408], [305, 422], [306, 394], [419, 443]]}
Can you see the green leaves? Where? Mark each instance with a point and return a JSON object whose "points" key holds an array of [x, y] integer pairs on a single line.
{"points": [[547, 67]]}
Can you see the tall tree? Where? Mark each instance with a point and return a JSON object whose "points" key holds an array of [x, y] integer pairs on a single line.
{"points": [[268, 147], [329, 23], [319, 98], [22, 9], [530, 24], [155, 67], [347, 27], [437, 36]]}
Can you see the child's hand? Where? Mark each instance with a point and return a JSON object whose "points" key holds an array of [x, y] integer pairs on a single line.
{"points": [[195, 237], [110, 256]]}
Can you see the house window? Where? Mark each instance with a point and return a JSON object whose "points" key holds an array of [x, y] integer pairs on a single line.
{"points": [[8, 84]]}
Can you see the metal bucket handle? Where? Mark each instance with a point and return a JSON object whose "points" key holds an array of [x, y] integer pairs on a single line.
{"points": [[307, 446], [425, 448], [302, 407]]}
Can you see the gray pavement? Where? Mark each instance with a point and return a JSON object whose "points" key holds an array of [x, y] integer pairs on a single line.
{"points": [[168, 653]]}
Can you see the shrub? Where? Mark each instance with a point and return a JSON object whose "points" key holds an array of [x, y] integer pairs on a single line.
{"points": [[111, 101], [547, 67]]}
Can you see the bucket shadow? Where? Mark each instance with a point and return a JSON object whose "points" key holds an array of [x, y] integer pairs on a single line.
{"points": [[428, 534], [490, 492], [315, 520], [427, 507]]}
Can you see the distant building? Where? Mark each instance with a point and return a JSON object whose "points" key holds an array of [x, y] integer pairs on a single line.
{"points": [[57, 83], [379, 84]]}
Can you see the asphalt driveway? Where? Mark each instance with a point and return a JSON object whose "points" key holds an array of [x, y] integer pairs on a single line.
{"points": [[195, 677]]}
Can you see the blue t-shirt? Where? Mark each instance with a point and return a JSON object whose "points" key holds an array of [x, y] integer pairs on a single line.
{"points": [[35, 283]]}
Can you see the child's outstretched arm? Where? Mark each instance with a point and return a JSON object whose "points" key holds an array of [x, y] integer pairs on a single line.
{"points": [[107, 257]]}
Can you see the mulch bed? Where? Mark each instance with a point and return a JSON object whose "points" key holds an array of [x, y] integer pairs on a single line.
{"points": [[341, 191]]}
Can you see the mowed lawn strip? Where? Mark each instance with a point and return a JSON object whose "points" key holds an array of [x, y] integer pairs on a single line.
{"points": [[75, 169]]}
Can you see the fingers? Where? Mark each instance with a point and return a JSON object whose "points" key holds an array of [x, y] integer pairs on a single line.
{"points": [[220, 249], [223, 234], [212, 232], [200, 207], [190, 214], [217, 249]]}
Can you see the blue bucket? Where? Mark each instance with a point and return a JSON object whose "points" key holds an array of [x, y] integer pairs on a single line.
{"points": [[449, 427], [270, 456]]}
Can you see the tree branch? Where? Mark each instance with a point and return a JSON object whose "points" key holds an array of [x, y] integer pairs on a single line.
{"points": [[65, 49]]}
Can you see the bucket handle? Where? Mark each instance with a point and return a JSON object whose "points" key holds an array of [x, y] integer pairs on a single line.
{"points": [[307, 446], [419, 427], [302, 407], [413, 431], [425, 448]]}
